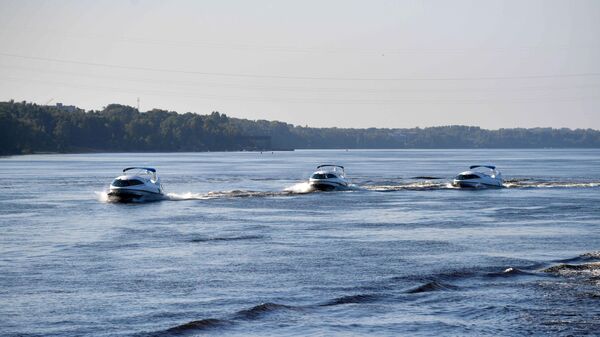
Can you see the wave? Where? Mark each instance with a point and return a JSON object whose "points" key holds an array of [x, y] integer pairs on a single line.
{"points": [[509, 272], [360, 298], [260, 310], [565, 269], [232, 238], [591, 255], [197, 326], [584, 268], [585, 257], [445, 280], [264, 309], [194, 326], [431, 286]]}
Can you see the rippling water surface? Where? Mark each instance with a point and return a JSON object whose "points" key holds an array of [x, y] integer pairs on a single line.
{"points": [[240, 246]]}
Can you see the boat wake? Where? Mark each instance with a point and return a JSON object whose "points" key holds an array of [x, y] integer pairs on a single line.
{"points": [[410, 186], [297, 189], [530, 183], [102, 196], [305, 188], [224, 194], [187, 196], [300, 188], [438, 184]]}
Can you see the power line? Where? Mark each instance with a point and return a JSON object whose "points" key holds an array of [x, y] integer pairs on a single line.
{"points": [[318, 78], [291, 48], [227, 46], [184, 83], [310, 100]]}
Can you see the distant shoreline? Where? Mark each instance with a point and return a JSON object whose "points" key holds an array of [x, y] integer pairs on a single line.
{"points": [[27, 128], [295, 150]]}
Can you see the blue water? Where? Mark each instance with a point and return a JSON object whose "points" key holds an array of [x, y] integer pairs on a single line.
{"points": [[240, 246]]}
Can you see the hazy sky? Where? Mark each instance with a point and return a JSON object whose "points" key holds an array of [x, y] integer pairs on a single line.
{"points": [[318, 63]]}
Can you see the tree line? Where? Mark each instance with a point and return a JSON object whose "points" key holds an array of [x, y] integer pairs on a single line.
{"points": [[31, 128]]}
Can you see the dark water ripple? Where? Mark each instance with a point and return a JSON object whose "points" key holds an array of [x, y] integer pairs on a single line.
{"points": [[474, 313], [349, 299], [431, 286], [226, 239]]}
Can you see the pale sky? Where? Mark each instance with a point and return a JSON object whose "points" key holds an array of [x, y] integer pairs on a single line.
{"points": [[319, 63]]}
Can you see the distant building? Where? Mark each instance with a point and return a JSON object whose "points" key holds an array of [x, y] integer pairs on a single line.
{"points": [[66, 108]]}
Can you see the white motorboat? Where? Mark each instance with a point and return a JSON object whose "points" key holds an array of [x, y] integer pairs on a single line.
{"points": [[479, 179], [143, 185], [328, 177]]}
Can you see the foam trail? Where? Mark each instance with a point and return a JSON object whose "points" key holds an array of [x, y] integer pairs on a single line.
{"points": [[186, 196], [416, 186], [528, 183], [300, 188], [224, 194], [352, 187], [217, 195], [102, 196]]}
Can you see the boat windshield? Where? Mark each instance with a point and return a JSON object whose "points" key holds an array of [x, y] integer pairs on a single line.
{"points": [[143, 171], [335, 171], [324, 176], [126, 182], [467, 176]]}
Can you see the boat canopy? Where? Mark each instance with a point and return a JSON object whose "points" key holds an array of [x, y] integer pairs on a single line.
{"points": [[331, 165], [149, 169], [491, 167]]}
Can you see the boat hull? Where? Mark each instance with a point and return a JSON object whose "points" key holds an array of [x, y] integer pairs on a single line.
{"points": [[129, 196], [327, 186], [476, 184]]}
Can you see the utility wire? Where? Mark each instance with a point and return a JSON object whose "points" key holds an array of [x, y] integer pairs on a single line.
{"points": [[317, 78], [196, 84], [310, 100], [289, 48]]}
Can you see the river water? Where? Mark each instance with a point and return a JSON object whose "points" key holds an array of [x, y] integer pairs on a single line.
{"points": [[241, 246]]}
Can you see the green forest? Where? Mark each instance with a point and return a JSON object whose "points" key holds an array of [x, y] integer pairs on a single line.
{"points": [[31, 128]]}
